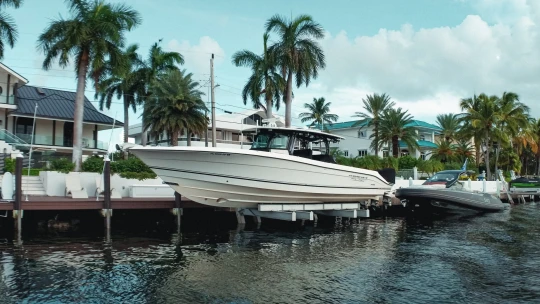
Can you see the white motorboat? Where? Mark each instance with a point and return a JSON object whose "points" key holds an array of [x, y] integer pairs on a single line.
{"points": [[281, 167]]}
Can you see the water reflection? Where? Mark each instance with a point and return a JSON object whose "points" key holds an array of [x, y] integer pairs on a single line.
{"points": [[492, 258]]}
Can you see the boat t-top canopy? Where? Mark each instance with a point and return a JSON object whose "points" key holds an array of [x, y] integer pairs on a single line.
{"points": [[308, 135]]}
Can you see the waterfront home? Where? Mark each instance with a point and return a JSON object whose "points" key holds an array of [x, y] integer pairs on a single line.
{"points": [[53, 132], [228, 131], [357, 139]]}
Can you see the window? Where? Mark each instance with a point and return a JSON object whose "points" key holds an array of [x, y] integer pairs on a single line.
{"points": [[362, 153], [346, 153], [236, 136], [422, 137], [385, 153], [423, 155], [362, 134], [279, 142]]}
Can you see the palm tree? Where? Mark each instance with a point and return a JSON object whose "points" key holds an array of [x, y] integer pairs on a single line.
{"points": [[445, 151], [535, 131], [123, 83], [176, 105], [483, 118], [514, 117], [463, 151], [264, 79], [318, 113], [467, 130], [395, 126], [8, 28], [94, 32], [450, 125], [298, 52], [374, 106]]}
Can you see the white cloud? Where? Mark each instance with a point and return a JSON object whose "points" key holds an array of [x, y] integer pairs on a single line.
{"points": [[197, 56], [428, 71]]}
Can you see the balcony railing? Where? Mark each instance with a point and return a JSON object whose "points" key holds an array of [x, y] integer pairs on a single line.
{"points": [[4, 99], [46, 140]]}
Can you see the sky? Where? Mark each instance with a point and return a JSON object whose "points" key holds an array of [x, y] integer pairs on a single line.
{"points": [[425, 54]]}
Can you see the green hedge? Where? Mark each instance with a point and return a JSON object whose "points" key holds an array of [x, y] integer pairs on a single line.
{"points": [[131, 168]]}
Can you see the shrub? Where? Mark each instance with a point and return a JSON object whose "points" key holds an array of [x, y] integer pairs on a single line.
{"points": [[63, 165], [390, 162], [93, 164], [407, 162], [33, 172], [9, 165], [138, 175]]}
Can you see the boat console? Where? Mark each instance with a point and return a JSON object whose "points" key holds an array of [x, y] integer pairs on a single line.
{"points": [[297, 142]]}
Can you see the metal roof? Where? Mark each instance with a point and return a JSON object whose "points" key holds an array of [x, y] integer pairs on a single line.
{"points": [[350, 124], [56, 104], [423, 144]]}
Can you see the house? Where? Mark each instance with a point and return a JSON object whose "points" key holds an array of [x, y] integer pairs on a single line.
{"points": [[53, 132], [228, 131], [357, 140]]}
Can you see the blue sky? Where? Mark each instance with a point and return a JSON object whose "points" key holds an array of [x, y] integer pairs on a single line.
{"points": [[426, 54]]}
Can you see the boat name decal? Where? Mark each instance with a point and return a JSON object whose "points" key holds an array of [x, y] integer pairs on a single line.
{"points": [[221, 153], [357, 177]]}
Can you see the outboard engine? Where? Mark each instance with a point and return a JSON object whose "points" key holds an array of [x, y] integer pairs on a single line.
{"points": [[389, 174]]}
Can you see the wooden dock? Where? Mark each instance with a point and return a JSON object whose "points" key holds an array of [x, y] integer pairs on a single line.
{"points": [[45, 203]]}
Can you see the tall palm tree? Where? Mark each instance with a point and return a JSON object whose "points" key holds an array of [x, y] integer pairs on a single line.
{"points": [[265, 78], [535, 131], [450, 125], [318, 113], [395, 126], [8, 28], [514, 117], [299, 54], [124, 83], [374, 106], [483, 118], [467, 130], [93, 33], [176, 105]]}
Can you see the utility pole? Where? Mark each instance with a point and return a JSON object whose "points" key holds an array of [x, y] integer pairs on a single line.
{"points": [[213, 101], [206, 116]]}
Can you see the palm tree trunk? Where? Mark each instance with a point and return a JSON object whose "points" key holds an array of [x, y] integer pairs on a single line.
{"points": [[268, 105], [488, 170], [79, 111], [126, 123], [477, 152], [174, 139], [288, 100], [376, 131], [395, 146], [188, 134], [497, 159]]}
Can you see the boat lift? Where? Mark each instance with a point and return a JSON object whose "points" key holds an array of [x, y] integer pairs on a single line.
{"points": [[308, 211]]}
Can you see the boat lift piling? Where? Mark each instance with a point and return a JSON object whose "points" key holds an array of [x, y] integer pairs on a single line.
{"points": [[177, 210], [17, 206], [106, 212]]}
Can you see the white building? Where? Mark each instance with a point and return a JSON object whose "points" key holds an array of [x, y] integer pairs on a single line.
{"points": [[53, 131], [228, 131], [357, 140]]}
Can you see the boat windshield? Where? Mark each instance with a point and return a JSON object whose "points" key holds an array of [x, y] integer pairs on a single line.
{"points": [[270, 141], [447, 178]]}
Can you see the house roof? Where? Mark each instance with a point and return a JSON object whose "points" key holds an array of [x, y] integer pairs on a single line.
{"points": [[350, 124], [56, 104], [423, 144]]}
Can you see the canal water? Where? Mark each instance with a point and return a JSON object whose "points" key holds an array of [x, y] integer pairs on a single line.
{"points": [[493, 258]]}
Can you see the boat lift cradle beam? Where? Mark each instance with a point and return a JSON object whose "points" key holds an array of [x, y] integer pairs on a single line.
{"points": [[293, 212]]}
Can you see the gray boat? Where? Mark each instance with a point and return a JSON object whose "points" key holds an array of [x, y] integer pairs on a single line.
{"points": [[444, 192]]}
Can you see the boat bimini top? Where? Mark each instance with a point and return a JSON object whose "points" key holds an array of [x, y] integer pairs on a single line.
{"points": [[298, 142]]}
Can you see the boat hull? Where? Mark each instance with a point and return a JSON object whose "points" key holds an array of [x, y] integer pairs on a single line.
{"points": [[448, 200], [244, 179]]}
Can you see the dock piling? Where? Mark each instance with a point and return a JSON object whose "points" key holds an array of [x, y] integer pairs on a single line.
{"points": [[178, 209], [17, 205], [107, 193]]}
